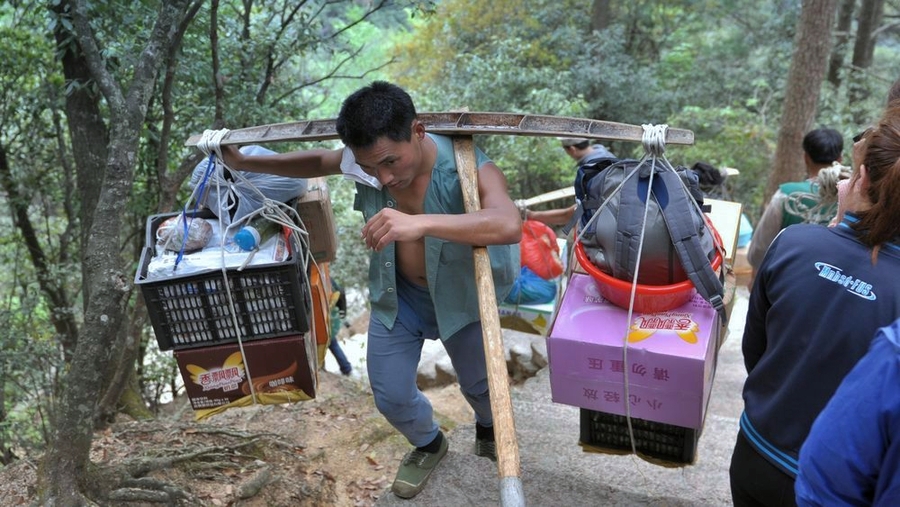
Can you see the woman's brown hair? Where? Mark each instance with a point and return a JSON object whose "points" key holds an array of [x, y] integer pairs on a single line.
{"points": [[881, 222]]}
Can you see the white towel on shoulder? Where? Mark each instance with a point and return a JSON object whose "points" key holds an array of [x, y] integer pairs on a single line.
{"points": [[353, 172]]}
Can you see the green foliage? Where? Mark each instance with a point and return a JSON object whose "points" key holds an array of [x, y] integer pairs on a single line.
{"points": [[717, 68], [159, 373], [729, 137], [33, 181], [836, 112], [30, 361], [351, 266]]}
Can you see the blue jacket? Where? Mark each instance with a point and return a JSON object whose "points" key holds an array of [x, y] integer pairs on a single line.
{"points": [[449, 267], [815, 306], [852, 454]]}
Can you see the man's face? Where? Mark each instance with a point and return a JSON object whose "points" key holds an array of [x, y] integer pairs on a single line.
{"points": [[394, 163]]}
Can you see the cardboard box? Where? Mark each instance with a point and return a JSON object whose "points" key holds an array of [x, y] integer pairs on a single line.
{"points": [[726, 218], [314, 208], [320, 284], [671, 357], [215, 376], [534, 319]]}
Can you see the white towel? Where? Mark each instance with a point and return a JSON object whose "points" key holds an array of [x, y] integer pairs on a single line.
{"points": [[353, 172]]}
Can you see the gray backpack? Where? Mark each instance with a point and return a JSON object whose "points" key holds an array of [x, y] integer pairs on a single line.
{"points": [[677, 244]]}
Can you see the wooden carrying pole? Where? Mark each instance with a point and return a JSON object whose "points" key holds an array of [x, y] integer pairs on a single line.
{"points": [[511, 492], [457, 123]]}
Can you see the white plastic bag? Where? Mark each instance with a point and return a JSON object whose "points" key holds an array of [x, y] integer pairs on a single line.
{"points": [[247, 190]]}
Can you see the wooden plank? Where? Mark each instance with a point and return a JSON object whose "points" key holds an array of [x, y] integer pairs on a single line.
{"points": [[460, 123], [554, 195], [726, 217]]}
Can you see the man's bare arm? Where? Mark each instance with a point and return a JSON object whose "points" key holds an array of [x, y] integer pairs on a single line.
{"points": [[295, 164], [497, 223], [559, 216]]}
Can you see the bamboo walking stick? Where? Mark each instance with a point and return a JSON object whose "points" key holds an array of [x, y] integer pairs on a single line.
{"points": [[511, 492]]}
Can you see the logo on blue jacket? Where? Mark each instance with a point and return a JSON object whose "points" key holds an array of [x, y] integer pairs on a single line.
{"points": [[853, 285]]}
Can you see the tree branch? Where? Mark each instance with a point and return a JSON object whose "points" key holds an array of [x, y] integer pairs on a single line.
{"points": [[61, 316], [332, 74], [364, 17], [84, 33], [218, 80]]}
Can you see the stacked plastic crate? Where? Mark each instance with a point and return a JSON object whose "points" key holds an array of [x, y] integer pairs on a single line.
{"points": [[662, 382], [240, 335]]}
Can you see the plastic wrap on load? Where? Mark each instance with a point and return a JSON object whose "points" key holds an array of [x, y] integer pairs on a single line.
{"points": [[247, 192], [531, 289], [215, 255], [171, 234]]}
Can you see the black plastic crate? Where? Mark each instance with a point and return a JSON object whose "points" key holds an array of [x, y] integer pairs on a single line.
{"points": [[193, 310], [662, 441]]}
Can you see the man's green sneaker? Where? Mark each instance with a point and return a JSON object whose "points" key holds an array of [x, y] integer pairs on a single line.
{"points": [[415, 469]]}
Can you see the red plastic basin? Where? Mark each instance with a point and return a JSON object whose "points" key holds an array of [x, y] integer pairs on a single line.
{"points": [[647, 298]]}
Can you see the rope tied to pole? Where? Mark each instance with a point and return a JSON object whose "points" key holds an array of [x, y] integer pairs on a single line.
{"points": [[654, 139], [275, 211], [652, 165], [654, 143]]}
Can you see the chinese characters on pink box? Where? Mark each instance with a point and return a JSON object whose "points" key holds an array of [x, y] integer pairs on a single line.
{"points": [[667, 358]]}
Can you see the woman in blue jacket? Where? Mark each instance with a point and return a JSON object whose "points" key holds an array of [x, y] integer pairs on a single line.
{"points": [[819, 296], [852, 454]]}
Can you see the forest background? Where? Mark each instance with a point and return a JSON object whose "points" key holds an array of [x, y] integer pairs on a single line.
{"points": [[98, 98]]}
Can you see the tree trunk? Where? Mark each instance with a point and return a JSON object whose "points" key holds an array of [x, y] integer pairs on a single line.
{"points": [[808, 65], [123, 391], [123, 387], [131, 402], [600, 14], [5, 450], [841, 39], [870, 14], [64, 470], [87, 130]]}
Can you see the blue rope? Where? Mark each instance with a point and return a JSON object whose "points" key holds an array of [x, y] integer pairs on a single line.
{"points": [[200, 188]]}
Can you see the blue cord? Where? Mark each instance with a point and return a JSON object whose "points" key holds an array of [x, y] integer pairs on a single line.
{"points": [[209, 168]]}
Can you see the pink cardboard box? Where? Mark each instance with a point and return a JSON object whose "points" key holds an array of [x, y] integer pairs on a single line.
{"points": [[671, 357]]}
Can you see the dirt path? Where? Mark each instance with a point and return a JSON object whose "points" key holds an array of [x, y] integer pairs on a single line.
{"points": [[335, 450]]}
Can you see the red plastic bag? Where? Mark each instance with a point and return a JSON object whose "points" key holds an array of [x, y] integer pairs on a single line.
{"points": [[539, 250]]}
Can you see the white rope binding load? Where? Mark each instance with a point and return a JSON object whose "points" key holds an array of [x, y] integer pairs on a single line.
{"points": [[275, 211], [652, 162]]}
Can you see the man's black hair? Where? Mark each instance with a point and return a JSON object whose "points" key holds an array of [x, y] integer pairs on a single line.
{"points": [[708, 175], [379, 110], [823, 146]]}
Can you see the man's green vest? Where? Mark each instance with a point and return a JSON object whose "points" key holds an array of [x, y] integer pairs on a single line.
{"points": [[449, 267]]}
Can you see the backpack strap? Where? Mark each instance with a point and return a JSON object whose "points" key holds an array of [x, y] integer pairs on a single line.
{"points": [[678, 215], [629, 222], [586, 172], [576, 217]]}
